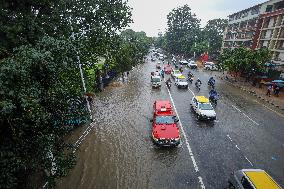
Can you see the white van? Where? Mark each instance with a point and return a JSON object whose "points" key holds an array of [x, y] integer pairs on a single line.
{"points": [[156, 81]]}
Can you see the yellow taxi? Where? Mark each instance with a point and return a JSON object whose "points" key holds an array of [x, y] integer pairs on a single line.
{"points": [[252, 179], [203, 108]]}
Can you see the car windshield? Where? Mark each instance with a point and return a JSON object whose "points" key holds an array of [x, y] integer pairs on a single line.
{"points": [[182, 80], [155, 79], [165, 120], [205, 106]]}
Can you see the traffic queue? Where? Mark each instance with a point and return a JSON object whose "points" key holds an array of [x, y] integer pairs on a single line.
{"points": [[165, 132]]}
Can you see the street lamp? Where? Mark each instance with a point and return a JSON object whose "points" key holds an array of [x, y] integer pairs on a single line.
{"points": [[194, 46], [81, 72]]}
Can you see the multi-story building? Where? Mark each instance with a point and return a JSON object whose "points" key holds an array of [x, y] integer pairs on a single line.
{"points": [[259, 26]]}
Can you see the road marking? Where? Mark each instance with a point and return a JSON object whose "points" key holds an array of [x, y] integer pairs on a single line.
{"points": [[230, 138], [201, 183], [191, 91], [245, 115], [240, 150], [236, 108], [249, 161], [250, 119], [187, 143], [281, 115]]}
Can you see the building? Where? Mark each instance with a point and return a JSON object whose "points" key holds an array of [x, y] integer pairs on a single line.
{"points": [[259, 26]]}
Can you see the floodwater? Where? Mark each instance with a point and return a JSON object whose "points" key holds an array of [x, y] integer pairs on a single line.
{"points": [[118, 151]]}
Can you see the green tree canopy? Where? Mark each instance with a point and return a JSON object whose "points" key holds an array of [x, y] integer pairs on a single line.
{"points": [[183, 30], [243, 60], [213, 34]]}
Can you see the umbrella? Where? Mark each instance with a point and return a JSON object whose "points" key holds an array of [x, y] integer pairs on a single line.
{"points": [[277, 81], [268, 83]]}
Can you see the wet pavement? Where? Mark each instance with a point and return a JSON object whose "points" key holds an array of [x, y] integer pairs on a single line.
{"points": [[118, 151]]}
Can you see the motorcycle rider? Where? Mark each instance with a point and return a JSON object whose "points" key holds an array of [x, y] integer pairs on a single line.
{"points": [[189, 74], [198, 83], [211, 81], [213, 95], [168, 82]]}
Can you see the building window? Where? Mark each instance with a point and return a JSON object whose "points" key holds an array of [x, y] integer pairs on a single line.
{"points": [[255, 11], [269, 8]]}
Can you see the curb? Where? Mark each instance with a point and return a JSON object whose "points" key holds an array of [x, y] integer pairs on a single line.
{"points": [[256, 95]]}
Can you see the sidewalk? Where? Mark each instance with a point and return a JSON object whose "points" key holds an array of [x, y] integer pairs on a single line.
{"points": [[260, 93]]}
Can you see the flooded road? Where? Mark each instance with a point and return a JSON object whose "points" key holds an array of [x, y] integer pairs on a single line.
{"points": [[118, 152]]}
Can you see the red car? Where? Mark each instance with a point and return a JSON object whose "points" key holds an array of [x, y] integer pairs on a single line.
{"points": [[167, 69], [165, 131]]}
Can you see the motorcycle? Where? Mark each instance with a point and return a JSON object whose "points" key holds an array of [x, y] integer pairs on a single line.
{"points": [[197, 85], [168, 84], [213, 99], [211, 84], [190, 79]]}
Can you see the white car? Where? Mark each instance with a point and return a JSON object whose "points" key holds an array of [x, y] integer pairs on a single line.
{"points": [[183, 62], [192, 65], [210, 66], [181, 82], [203, 108], [156, 81], [176, 73]]}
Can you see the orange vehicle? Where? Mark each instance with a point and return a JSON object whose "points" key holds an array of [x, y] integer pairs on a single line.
{"points": [[165, 131]]}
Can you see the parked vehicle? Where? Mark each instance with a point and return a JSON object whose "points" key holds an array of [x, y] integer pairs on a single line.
{"points": [[192, 65], [183, 62], [203, 108], [252, 179], [165, 131], [210, 66]]}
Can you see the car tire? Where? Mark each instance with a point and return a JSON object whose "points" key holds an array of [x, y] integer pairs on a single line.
{"points": [[198, 117]]}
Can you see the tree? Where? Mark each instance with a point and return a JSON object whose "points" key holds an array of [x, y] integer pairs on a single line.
{"points": [[244, 61], [132, 48], [213, 34], [183, 30], [40, 82], [26, 21]]}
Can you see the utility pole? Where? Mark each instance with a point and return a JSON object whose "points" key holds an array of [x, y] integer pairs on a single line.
{"points": [[82, 76], [194, 46]]}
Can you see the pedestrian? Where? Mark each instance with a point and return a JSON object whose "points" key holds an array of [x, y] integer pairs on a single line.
{"points": [[276, 90], [269, 89], [162, 73], [127, 73]]}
